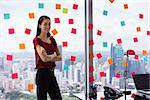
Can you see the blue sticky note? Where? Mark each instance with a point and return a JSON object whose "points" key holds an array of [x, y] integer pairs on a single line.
{"points": [[66, 67], [41, 5], [104, 44], [122, 23], [105, 12], [145, 58], [6, 16]]}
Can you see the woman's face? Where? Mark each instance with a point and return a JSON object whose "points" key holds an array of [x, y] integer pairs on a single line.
{"points": [[45, 26]]}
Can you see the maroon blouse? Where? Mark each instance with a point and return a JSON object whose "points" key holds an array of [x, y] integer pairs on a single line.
{"points": [[50, 49]]}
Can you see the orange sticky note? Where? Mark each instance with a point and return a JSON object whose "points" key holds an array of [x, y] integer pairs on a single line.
{"points": [[144, 52], [31, 15], [30, 86], [125, 63], [91, 55], [54, 31], [125, 6], [138, 29], [110, 61], [58, 6], [21, 46]]}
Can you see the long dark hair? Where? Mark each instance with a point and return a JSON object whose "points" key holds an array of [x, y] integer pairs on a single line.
{"points": [[38, 32]]}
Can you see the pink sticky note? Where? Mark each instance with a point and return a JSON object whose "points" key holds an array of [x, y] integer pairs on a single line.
{"points": [[71, 21], [141, 16], [14, 75], [9, 57], [27, 31], [91, 79], [135, 39], [133, 73], [91, 42], [73, 30], [111, 1], [119, 41], [102, 74], [118, 75], [75, 6], [73, 58], [57, 20], [11, 30], [91, 69], [90, 26], [99, 55], [65, 44], [148, 33], [99, 32], [136, 57]]}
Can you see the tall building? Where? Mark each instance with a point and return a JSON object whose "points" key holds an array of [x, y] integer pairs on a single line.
{"points": [[117, 58], [2, 64]]}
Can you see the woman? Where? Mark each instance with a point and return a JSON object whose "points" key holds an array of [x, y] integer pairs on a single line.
{"points": [[46, 53]]}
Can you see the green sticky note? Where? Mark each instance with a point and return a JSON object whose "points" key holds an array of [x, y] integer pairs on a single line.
{"points": [[122, 23], [104, 44], [41, 5], [65, 10], [66, 67], [6, 16]]}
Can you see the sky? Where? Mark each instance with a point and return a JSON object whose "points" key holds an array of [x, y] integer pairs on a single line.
{"points": [[109, 25]]}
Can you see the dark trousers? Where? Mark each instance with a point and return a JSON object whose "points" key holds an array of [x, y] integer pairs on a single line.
{"points": [[46, 83]]}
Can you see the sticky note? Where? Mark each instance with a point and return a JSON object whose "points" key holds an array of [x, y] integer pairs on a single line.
{"points": [[138, 29], [75, 6], [91, 69], [73, 58], [125, 63], [111, 1], [141, 16], [136, 57], [99, 32], [21, 46], [6, 16], [57, 20], [14, 75], [102, 98], [65, 10], [31, 15], [144, 52], [91, 55], [99, 55], [54, 32], [90, 26], [71, 21], [110, 61], [91, 42], [91, 79], [119, 41], [148, 33], [125, 6], [58, 6], [102, 74], [133, 95], [65, 44], [41, 5], [66, 67], [73, 30], [133, 73], [9, 57], [122, 23], [27, 31], [105, 12], [11, 31], [104, 44], [30, 86], [135, 39], [118, 75]]}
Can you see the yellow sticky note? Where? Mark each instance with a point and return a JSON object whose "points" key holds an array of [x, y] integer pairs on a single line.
{"points": [[21, 46], [65, 10], [110, 61], [54, 32], [125, 63]]}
